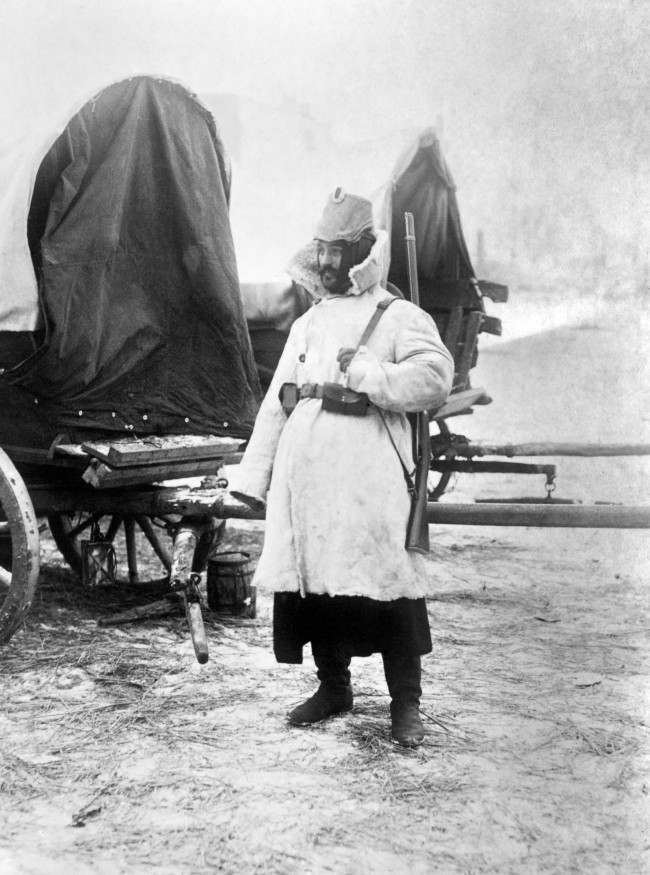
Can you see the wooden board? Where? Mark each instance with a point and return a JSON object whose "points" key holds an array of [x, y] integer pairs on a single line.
{"points": [[465, 293], [102, 476], [465, 354], [75, 451], [551, 448], [494, 291], [153, 450], [219, 503], [447, 294], [459, 402], [452, 329], [35, 456], [491, 325]]}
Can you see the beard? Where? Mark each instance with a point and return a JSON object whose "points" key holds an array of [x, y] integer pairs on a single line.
{"points": [[336, 282]]}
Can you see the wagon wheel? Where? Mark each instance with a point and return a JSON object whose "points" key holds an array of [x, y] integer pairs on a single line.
{"points": [[128, 534], [19, 549], [131, 535], [445, 476]]}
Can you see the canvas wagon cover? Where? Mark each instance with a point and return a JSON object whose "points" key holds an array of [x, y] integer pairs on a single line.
{"points": [[132, 248], [421, 183]]}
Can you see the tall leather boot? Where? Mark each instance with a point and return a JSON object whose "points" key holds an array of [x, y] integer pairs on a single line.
{"points": [[334, 695], [403, 676]]}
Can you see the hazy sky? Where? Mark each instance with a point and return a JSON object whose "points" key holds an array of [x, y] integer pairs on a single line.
{"points": [[503, 75], [374, 63]]}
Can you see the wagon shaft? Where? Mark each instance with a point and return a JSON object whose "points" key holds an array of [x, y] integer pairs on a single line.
{"points": [[461, 446], [219, 503], [541, 515]]}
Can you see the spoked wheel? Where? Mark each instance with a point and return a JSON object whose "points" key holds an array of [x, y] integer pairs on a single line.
{"points": [[437, 488], [19, 549], [137, 540]]}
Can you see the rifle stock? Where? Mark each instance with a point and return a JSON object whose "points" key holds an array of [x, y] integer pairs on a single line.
{"points": [[417, 529]]}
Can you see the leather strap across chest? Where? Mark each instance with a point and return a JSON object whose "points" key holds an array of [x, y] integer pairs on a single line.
{"points": [[380, 309], [315, 390]]}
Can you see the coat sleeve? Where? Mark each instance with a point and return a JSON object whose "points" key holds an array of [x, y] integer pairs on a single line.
{"points": [[253, 474], [421, 375]]}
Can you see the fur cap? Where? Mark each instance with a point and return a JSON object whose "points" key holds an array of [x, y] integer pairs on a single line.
{"points": [[345, 217], [303, 268]]}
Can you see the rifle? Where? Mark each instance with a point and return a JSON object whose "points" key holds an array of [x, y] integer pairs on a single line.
{"points": [[417, 529]]}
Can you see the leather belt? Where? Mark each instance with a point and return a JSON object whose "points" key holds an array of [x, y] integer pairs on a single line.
{"points": [[310, 390]]}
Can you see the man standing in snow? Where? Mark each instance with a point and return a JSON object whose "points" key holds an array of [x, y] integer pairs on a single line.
{"points": [[337, 504]]}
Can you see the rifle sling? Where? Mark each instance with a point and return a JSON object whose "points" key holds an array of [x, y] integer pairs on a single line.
{"points": [[381, 308], [410, 482]]}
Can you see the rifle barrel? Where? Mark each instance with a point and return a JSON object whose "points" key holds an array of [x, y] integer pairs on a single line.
{"points": [[417, 530], [412, 261]]}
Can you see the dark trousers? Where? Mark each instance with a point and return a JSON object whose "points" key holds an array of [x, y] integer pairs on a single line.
{"points": [[353, 625]]}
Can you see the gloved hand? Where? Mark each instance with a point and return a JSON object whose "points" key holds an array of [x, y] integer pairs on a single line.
{"points": [[344, 357], [363, 370]]}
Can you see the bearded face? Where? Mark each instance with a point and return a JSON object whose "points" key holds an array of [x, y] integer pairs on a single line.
{"points": [[336, 259], [332, 267]]}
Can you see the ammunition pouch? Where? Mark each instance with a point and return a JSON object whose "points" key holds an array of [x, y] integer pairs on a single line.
{"points": [[338, 399], [289, 397], [335, 398]]}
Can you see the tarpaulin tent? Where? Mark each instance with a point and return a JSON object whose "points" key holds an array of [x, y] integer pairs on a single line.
{"points": [[421, 184], [141, 321]]}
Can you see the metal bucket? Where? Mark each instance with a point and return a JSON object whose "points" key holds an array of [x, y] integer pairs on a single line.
{"points": [[229, 584]]}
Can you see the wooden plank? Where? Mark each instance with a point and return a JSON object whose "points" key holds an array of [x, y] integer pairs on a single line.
{"points": [[35, 456], [102, 476], [491, 325], [97, 450], [494, 291], [464, 466], [147, 499], [461, 401], [541, 515], [219, 503], [447, 294], [465, 292], [466, 354], [158, 450], [161, 608], [75, 451], [453, 329], [549, 448]]}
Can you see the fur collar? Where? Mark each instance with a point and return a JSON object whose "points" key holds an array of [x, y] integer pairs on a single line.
{"points": [[303, 268]]}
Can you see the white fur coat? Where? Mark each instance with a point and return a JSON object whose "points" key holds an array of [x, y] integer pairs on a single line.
{"points": [[337, 503]]}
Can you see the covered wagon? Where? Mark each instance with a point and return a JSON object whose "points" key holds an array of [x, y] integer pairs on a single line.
{"points": [[120, 317]]}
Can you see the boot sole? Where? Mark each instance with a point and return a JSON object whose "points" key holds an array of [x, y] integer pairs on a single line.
{"points": [[408, 744], [320, 720]]}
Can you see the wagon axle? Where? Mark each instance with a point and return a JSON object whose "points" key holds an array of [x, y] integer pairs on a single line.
{"points": [[196, 515]]}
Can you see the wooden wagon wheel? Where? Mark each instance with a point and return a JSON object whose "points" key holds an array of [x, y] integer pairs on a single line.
{"points": [[70, 529], [445, 476], [19, 557]]}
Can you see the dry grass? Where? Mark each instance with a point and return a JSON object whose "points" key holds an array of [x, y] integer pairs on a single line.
{"points": [[132, 758]]}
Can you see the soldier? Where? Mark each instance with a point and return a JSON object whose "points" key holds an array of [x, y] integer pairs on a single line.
{"points": [[332, 458]]}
